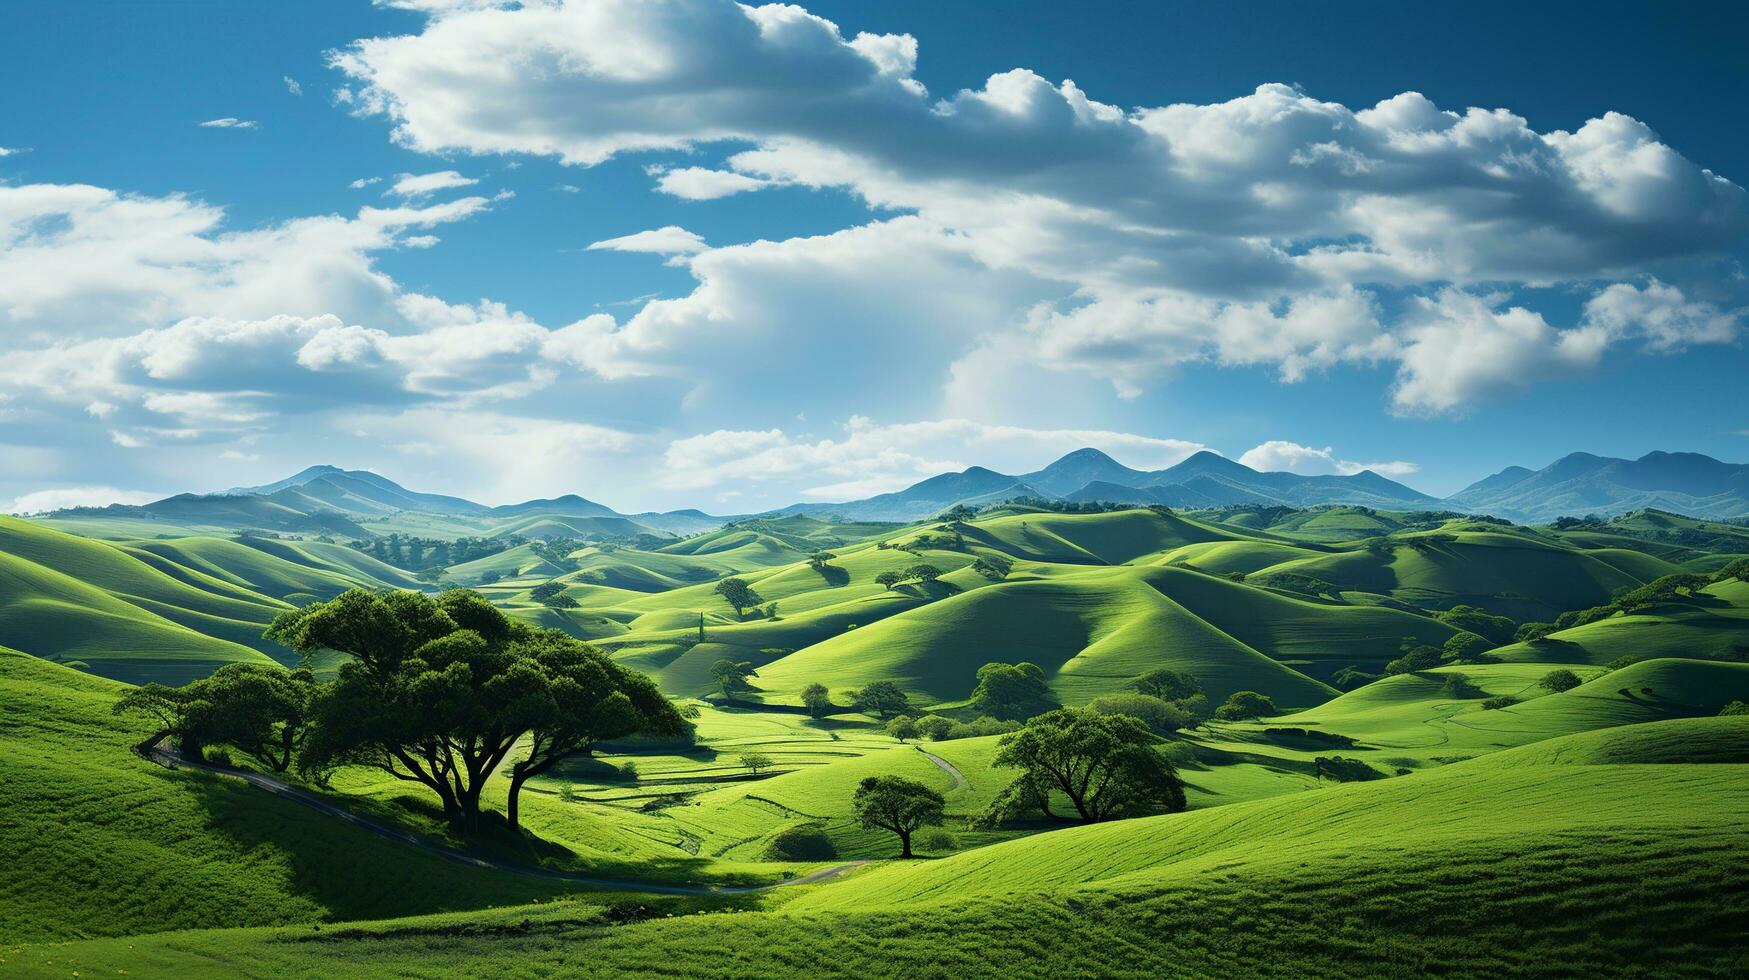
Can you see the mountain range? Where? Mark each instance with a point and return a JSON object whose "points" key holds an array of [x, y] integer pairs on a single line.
{"points": [[331, 500]]}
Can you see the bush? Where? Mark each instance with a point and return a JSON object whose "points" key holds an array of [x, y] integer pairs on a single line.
{"points": [[976, 728], [934, 727], [1499, 701], [1459, 686], [1181, 754], [218, 756], [1158, 715], [807, 842], [1467, 647], [1344, 770], [937, 840], [1558, 681], [1246, 704], [1734, 708], [1415, 658], [1625, 660]]}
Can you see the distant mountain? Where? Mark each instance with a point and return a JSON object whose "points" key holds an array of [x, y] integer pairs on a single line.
{"points": [[569, 505], [1580, 483], [1087, 475], [1080, 468]]}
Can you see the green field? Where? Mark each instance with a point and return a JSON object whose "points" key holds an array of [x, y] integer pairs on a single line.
{"points": [[1597, 828]]}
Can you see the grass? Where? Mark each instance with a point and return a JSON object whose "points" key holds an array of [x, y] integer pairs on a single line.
{"points": [[1601, 870]]}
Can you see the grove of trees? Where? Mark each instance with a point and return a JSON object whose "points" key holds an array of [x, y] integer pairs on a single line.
{"points": [[438, 690]]}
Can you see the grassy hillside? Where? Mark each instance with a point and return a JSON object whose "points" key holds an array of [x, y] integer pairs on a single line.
{"points": [[101, 842], [1602, 870]]}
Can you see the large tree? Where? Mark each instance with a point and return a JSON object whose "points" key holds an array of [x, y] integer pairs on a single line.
{"points": [[737, 593], [440, 690], [897, 804], [1106, 765]]}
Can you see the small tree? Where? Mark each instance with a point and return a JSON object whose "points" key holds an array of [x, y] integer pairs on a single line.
{"points": [[1558, 681], [1245, 705], [1416, 656], [738, 594], [902, 728], [934, 727], [897, 804], [546, 591], [887, 580], [1012, 691], [1168, 685], [923, 572], [754, 762], [731, 676], [1466, 647], [882, 699], [817, 699], [1734, 708], [817, 561], [1533, 632]]}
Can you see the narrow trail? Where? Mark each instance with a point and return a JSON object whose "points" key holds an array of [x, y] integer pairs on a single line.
{"points": [[959, 778], [173, 760]]}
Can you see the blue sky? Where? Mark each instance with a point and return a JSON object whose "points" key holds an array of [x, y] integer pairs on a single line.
{"points": [[877, 250]]}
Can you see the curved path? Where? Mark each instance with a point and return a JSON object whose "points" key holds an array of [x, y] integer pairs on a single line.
{"points": [[959, 778], [172, 760]]}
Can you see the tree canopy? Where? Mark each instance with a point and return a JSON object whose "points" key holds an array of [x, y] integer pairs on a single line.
{"points": [[441, 689], [1012, 691], [882, 699], [1106, 765], [897, 804], [738, 594]]}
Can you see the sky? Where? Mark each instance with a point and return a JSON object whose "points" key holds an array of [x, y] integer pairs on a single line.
{"points": [[688, 253]]}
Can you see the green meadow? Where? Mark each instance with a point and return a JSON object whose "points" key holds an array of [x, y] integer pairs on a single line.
{"points": [[1417, 798]]}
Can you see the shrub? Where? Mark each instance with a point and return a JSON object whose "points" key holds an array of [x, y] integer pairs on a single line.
{"points": [[1625, 660], [934, 727], [218, 756], [1499, 701], [1460, 686], [807, 842], [902, 728], [1734, 708], [1158, 715], [1415, 658], [1181, 754], [1344, 770], [1246, 704], [937, 840], [1557, 681]]}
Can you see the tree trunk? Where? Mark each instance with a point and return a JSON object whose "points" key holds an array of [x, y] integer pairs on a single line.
{"points": [[904, 843], [517, 777]]}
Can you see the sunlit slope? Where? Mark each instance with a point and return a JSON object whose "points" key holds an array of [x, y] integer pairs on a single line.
{"points": [[69, 598], [1420, 712], [1677, 741], [1114, 538], [1092, 633], [1613, 813], [1512, 574], [1717, 628], [281, 572], [101, 842]]}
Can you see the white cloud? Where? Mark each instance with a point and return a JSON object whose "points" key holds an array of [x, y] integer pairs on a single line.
{"points": [[291, 85], [667, 240], [6, 151], [700, 184], [42, 501], [869, 458], [419, 185], [1278, 455], [230, 122], [363, 182], [1661, 314], [1126, 241]]}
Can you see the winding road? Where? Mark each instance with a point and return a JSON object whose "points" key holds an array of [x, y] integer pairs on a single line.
{"points": [[959, 778], [173, 760]]}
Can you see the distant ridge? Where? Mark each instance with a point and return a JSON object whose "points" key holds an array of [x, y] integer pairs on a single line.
{"points": [[1580, 483]]}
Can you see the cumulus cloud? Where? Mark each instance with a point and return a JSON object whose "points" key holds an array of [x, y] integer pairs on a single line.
{"points": [[500, 458], [291, 85], [1259, 230], [701, 184], [1278, 455], [667, 240], [867, 457], [419, 185], [42, 501], [229, 122]]}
